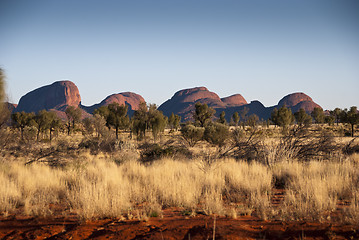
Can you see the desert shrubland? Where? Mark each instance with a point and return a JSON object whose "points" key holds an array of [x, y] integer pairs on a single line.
{"points": [[96, 186], [206, 168]]}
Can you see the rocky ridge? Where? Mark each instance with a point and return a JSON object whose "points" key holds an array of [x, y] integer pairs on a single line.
{"points": [[61, 94]]}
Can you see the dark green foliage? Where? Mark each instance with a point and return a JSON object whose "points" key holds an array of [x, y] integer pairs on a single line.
{"points": [[243, 113], [140, 121], [318, 115], [174, 121], [252, 121], [235, 118], [148, 118], [157, 121], [282, 117], [103, 112], [351, 117], [95, 123], [150, 152], [329, 119], [192, 134], [45, 120], [73, 116], [302, 118], [54, 123], [203, 114], [216, 134], [222, 118], [336, 114], [274, 116], [114, 115], [117, 117], [20, 120], [97, 145]]}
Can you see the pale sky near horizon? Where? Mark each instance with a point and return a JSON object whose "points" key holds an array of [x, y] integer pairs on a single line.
{"points": [[261, 49]]}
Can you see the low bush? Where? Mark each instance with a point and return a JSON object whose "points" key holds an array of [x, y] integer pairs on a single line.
{"points": [[192, 134], [151, 152]]}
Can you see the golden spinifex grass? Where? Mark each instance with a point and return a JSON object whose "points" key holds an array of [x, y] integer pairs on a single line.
{"points": [[99, 187]]}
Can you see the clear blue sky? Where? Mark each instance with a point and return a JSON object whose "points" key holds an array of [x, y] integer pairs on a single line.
{"points": [[261, 49]]}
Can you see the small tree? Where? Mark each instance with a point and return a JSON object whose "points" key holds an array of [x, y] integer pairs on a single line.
{"points": [[174, 121], [140, 121], [157, 121], [336, 114], [216, 134], [282, 117], [42, 121], [274, 117], [235, 118], [20, 120], [318, 115], [329, 119], [302, 118], [73, 116], [192, 134], [222, 118], [88, 125], [243, 113], [252, 121], [54, 123], [351, 117], [99, 124], [103, 111], [203, 114], [117, 117]]}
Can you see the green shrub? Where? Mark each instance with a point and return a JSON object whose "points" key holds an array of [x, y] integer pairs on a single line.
{"points": [[192, 134], [216, 134], [151, 152]]}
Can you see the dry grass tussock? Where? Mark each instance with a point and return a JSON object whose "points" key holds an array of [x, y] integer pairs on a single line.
{"points": [[314, 189], [99, 187]]}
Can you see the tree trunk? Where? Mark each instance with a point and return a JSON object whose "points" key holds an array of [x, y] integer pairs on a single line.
{"points": [[116, 132], [68, 128]]}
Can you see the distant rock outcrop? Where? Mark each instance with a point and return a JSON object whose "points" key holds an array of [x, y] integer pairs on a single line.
{"points": [[235, 100], [132, 100], [57, 96], [296, 101], [183, 101]]}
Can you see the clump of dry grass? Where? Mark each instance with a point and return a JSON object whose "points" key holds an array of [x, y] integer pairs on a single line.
{"points": [[31, 186], [313, 189], [99, 186]]}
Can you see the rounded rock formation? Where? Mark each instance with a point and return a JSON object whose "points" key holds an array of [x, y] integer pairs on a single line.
{"points": [[126, 98], [56, 96], [235, 100], [132, 100], [293, 99], [296, 101]]}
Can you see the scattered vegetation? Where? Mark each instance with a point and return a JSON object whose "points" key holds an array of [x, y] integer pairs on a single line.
{"points": [[107, 166]]}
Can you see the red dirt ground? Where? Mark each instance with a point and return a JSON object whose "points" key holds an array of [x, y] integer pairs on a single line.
{"points": [[173, 225]]}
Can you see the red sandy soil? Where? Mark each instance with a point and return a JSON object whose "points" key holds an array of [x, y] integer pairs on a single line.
{"points": [[173, 225]]}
